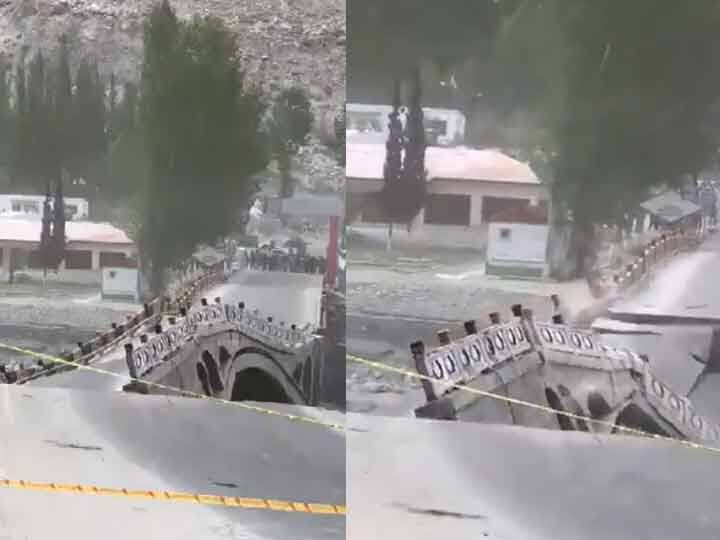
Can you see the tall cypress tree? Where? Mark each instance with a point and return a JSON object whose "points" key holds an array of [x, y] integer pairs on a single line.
{"points": [[414, 164], [21, 140], [202, 132], [6, 119], [392, 171]]}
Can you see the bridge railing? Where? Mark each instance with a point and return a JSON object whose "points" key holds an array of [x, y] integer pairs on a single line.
{"points": [[651, 254], [155, 350], [183, 294], [557, 355]]}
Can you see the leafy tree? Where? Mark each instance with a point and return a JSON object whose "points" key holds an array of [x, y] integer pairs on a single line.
{"points": [[290, 124], [7, 119], [90, 126], [621, 112], [21, 140], [403, 192], [339, 125], [127, 161], [202, 132]]}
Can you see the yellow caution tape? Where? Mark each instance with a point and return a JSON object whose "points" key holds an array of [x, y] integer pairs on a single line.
{"points": [[171, 496], [537, 406], [254, 408]]}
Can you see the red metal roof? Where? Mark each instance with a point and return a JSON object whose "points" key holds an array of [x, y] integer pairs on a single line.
{"points": [[24, 230]]}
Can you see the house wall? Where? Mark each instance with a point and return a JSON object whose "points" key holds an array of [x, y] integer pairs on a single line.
{"points": [[91, 276], [472, 237]]}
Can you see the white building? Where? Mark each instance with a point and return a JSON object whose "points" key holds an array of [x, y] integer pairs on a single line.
{"points": [[90, 248], [466, 188], [75, 208], [371, 120]]}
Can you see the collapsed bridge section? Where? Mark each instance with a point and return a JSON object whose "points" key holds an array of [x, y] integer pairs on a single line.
{"points": [[574, 380]]}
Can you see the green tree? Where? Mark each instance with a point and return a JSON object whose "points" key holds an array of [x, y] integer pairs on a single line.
{"points": [[290, 124], [7, 120], [90, 127], [21, 139], [127, 163], [43, 165], [339, 126], [624, 110], [202, 132]]}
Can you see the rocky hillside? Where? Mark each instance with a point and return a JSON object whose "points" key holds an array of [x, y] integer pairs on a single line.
{"points": [[281, 41]]}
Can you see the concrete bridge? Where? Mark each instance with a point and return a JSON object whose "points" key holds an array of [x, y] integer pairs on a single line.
{"points": [[566, 369], [228, 352], [224, 350]]}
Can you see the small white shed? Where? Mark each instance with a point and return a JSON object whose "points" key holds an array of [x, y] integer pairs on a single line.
{"points": [[517, 243]]}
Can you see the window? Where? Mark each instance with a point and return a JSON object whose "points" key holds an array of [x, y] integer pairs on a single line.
{"points": [[443, 209], [505, 233], [491, 206], [371, 211], [365, 121], [78, 260], [114, 259], [30, 208], [34, 260], [436, 126], [16, 207]]}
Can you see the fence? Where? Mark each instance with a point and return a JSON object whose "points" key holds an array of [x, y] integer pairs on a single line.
{"points": [[650, 255]]}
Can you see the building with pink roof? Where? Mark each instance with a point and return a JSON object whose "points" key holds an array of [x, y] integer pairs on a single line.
{"points": [[466, 188], [90, 247]]}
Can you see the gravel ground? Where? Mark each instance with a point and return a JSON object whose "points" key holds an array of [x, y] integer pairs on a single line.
{"points": [[54, 322]]}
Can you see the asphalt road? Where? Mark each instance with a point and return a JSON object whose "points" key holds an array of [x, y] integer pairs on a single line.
{"points": [[169, 444], [77, 427], [421, 480]]}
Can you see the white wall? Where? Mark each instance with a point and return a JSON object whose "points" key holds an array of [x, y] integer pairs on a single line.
{"points": [[6, 204], [91, 276], [455, 132], [525, 245], [121, 282]]}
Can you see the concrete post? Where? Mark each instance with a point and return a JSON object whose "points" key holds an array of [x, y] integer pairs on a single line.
{"points": [[417, 349], [470, 327], [129, 360]]}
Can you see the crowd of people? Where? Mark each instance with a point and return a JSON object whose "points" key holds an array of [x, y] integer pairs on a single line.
{"points": [[273, 260]]}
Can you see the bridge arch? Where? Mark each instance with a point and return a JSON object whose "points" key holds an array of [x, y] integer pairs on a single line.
{"points": [[212, 372], [554, 401], [255, 375], [224, 356], [255, 384], [634, 417], [203, 377]]}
